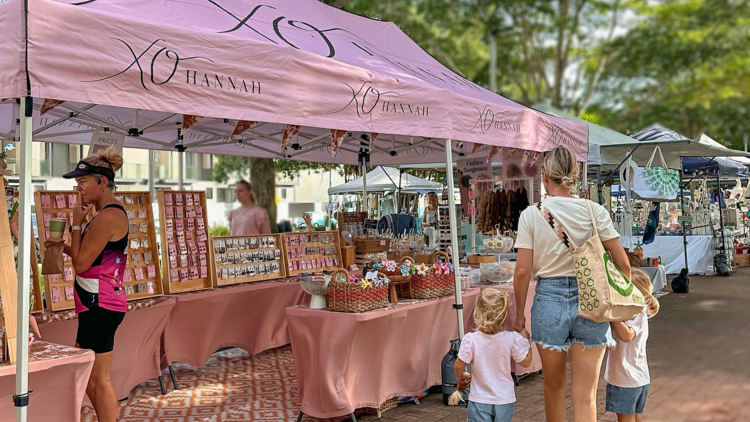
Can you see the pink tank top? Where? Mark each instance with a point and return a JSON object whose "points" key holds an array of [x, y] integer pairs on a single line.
{"points": [[101, 285]]}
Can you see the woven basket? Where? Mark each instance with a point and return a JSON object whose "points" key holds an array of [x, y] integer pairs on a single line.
{"points": [[388, 405], [430, 286], [396, 276], [371, 245], [352, 297], [742, 260]]}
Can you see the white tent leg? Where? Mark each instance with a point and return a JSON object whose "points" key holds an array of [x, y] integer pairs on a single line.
{"points": [[152, 172], [25, 236], [454, 235], [181, 169], [365, 207]]}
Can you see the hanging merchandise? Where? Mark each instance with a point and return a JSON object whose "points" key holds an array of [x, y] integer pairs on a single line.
{"points": [[649, 234], [656, 183]]}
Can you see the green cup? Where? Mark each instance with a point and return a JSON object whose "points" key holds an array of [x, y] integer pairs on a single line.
{"points": [[56, 228]]}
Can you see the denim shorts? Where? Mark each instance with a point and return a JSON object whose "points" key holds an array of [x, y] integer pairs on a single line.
{"points": [[479, 412], [555, 324], [626, 401]]}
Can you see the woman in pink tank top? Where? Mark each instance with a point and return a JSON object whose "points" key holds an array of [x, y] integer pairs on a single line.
{"points": [[248, 219], [99, 263]]}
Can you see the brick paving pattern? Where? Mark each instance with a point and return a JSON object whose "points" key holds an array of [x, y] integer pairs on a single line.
{"points": [[698, 356]]}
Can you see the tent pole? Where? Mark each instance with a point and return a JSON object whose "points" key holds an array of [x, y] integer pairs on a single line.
{"points": [[25, 236], [720, 197], [398, 191], [684, 234], [364, 189], [599, 183], [181, 166], [152, 172], [454, 236]]}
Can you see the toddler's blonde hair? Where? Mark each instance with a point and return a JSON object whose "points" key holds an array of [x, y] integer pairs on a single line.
{"points": [[642, 281], [491, 310]]}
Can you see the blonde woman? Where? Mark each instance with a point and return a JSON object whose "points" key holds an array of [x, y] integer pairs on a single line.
{"points": [[100, 300], [556, 327], [490, 350]]}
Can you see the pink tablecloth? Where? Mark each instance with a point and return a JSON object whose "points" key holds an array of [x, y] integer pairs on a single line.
{"points": [[249, 316], [137, 343], [536, 361], [348, 361], [57, 375]]}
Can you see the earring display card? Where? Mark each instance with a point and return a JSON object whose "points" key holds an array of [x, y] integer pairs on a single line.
{"points": [[181, 238], [311, 252], [142, 267], [243, 259], [37, 301], [57, 204]]}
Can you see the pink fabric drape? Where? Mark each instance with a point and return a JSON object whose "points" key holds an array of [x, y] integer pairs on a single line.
{"points": [[57, 375], [251, 317], [137, 343], [536, 361], [348, 361]]}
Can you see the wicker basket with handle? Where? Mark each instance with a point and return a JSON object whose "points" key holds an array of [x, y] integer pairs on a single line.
{"points": [[372, 245], [431, 285], [346, 296]]}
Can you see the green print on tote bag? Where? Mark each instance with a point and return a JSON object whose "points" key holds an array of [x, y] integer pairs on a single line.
{"points": [[604, 293]]}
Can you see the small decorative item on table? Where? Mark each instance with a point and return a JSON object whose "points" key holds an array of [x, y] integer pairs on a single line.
{"points": [[398, 272], [350, 294], [317, 286], [431, 281]]}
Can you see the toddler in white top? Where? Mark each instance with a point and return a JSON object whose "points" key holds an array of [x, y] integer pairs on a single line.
{"points": [[627, 373], [490, 350]]}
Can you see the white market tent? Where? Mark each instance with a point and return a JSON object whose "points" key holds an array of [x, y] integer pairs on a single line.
{"points": [[186, 75], [387, 179]]}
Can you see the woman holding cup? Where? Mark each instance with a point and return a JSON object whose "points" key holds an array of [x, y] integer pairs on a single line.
{"points": [[99, 263]]}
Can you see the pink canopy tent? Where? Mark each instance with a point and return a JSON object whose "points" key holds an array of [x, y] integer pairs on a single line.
{"points": [[144, 68]]}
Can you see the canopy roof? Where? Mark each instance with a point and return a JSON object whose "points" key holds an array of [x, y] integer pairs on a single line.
{"points": [[297, 62], [386, 179], [673, 146], [598, 135], [725, 167]]}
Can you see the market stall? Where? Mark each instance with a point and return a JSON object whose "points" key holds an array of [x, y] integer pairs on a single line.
{"points": [[303, 97]]}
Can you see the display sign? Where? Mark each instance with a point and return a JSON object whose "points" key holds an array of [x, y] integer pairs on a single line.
{"points": [[371, 223], [471, 169], [103, 140]]}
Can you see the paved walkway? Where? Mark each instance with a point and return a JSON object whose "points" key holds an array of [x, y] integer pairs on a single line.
{"points": [[698, 352]]}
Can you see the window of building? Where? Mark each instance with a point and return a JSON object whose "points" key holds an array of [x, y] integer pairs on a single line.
{"points": [[283, 194], [225, 195], [209, 193]]}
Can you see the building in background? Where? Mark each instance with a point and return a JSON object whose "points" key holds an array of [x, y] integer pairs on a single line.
{"points": [[50, 161]]}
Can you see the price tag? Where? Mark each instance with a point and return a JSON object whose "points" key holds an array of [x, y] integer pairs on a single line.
{"points": [[382, 242], [685, 218]]}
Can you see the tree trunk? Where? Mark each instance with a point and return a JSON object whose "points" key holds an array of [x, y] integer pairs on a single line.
{"points": [[263, 179]]}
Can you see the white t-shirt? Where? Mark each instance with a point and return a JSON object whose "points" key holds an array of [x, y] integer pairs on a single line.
{"points": [[551, 257], [490, 358], [627, 366]]}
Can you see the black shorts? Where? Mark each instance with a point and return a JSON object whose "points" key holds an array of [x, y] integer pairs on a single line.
{"points": [[96, 329]]}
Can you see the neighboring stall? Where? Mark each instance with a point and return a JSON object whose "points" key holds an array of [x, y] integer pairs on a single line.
{"points": [[311, 83]]}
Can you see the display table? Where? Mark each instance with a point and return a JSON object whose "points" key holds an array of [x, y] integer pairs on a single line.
{"points": [[249, 316], [57, 375], [137, 343], [349, 361], [658, 277], [672, 252], [536, 361]]}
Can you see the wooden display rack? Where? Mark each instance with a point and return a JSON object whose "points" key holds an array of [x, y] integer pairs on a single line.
{"points": [[66, 301], [217, 281], [334, 234], [174, 284], [36, 288], [135, 203]]}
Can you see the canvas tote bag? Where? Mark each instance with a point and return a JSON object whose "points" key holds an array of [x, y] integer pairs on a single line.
{"points": [[656, 183], [604, 293]]}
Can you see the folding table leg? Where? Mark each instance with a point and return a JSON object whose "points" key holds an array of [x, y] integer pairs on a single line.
{"points": [[353, 418], [174, 379], [299, 419], [161, 385]]}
